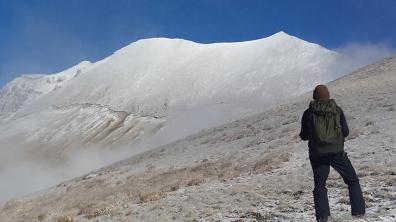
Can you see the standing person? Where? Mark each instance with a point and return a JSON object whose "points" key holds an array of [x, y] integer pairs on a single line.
{"points": [[324, 125]]}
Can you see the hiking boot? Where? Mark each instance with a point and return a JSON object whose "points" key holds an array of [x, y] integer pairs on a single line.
{"points": [[323, 219], [358, 215]]}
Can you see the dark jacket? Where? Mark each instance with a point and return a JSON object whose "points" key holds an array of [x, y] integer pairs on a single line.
{"points": [[305, 133]]}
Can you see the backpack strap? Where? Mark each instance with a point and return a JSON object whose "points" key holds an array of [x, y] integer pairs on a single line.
{"points": [[310, 126]]}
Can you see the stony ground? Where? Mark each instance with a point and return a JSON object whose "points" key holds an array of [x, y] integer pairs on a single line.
{"points": [[253, 169]]}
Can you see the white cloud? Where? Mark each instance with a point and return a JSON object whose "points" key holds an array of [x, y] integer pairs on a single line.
{"points": [[356, 55]]}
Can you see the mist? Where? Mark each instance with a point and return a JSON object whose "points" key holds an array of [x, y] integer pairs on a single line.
{"points": [[21, 174], [355, 55]]}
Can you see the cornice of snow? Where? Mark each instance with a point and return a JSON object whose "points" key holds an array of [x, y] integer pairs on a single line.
{"points": [[277, 38]]}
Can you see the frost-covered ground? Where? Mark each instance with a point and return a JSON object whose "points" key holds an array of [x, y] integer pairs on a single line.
{"points": [[253, 169]]}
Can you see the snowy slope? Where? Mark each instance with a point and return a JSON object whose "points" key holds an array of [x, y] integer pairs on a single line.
{"points": [[149, 93], [151, 75], [253, 169], [27, 88], [160, 77]]}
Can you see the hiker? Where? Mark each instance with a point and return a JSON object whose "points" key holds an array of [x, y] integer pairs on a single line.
{"points": [[324, 125]]}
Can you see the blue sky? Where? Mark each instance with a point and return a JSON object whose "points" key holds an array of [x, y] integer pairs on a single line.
{"points": [[47, 36]]}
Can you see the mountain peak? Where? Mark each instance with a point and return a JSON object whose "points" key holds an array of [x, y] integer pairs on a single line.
{"points": [[281, 33], [285, 37], [74, 69]]}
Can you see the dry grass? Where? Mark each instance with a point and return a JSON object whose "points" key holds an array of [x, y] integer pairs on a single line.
{"points": [[354, 133], [259, 217], [150, 196], [195, 181], [64, 218], [99, 212], [94, 197], [41, 217], [270, 162]]}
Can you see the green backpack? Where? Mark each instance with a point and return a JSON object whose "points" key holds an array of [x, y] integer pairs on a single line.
{"points": [[326, 127]]}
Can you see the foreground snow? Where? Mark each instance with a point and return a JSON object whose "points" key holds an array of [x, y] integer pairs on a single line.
{"points": [[253, 169]]}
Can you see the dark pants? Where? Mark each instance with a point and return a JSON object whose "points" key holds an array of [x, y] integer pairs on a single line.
{"points": [[321, 169]]}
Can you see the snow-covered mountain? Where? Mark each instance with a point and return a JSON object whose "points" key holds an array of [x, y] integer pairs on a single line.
{"points": [[253, 169], [27, 88], [149, 93], [151, 75], [154, 78]]}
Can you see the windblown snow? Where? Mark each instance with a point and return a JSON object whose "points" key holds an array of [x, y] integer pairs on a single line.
{"points": [[147, 94]]}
